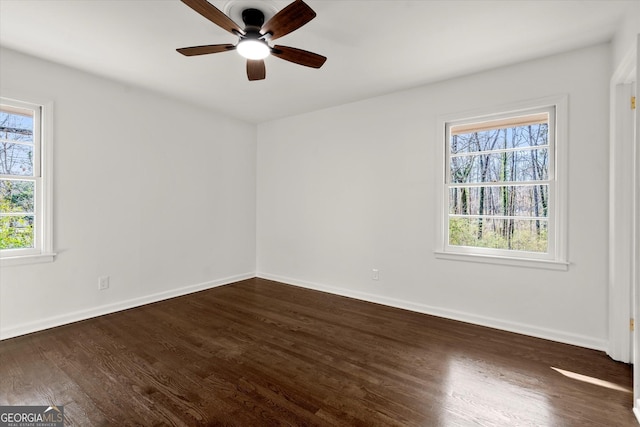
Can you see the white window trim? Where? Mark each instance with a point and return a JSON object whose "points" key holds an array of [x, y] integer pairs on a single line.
{"points": [[44, 203], [558, 216]]}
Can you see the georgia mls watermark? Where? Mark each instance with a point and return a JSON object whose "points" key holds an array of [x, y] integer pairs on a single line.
{"points": [[31, 416]]}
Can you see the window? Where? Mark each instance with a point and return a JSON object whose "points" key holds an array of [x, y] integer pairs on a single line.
{"points": [[25, 208], [501, 189]]}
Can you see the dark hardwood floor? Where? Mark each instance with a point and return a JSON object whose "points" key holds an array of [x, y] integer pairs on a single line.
{"points": [[260, 353]]}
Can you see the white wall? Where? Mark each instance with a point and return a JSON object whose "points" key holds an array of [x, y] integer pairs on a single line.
{"points": [[156, 194], [625, 38], [351, 188]]}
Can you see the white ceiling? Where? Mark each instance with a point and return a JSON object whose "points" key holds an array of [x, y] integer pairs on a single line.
{"points": [[373, 46]]}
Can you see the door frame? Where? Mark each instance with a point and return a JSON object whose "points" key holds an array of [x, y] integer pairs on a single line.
{"points": [[635, 295], [622, 211]]}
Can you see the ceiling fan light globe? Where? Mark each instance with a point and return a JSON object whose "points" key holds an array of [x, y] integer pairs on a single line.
{"points": [[253, 49]]}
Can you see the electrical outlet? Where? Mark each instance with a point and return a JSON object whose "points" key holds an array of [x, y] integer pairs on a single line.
{"points": [[103, 283], [375, 274]]}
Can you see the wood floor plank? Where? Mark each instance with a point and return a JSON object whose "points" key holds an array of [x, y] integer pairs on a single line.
{"points": [[261, 353]]}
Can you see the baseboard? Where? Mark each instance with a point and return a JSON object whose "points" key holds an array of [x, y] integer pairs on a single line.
{"points": [[553, 335], [51, 322], [520, 328]]}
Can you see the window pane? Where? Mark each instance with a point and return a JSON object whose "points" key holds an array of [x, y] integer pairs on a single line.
{"points": [[524, 200], [499, 139], [16, 159], [16, 124], [16, 232], [16, 196], [527, 165], [511, 234]]}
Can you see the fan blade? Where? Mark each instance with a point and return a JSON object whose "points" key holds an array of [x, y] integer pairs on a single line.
{"points": [[299, 56], [203, 50], [256, 69], [288, 19], [215, 15]]}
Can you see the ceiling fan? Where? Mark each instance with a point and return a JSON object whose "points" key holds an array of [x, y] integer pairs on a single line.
{"points": [[253, 42]]}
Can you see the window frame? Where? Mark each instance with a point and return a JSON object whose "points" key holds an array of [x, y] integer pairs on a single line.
{"points": [[42, 177], [556, 256]]}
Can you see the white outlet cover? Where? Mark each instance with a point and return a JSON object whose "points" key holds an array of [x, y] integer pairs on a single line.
{"points": [[103, 282]]}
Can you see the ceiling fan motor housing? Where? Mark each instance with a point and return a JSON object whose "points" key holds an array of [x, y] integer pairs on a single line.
{"points": [[252, 44], [253, 19]]}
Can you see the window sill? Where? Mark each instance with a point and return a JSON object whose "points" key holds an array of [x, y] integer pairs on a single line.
{"points": [[514, 262], [27, 259]]}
